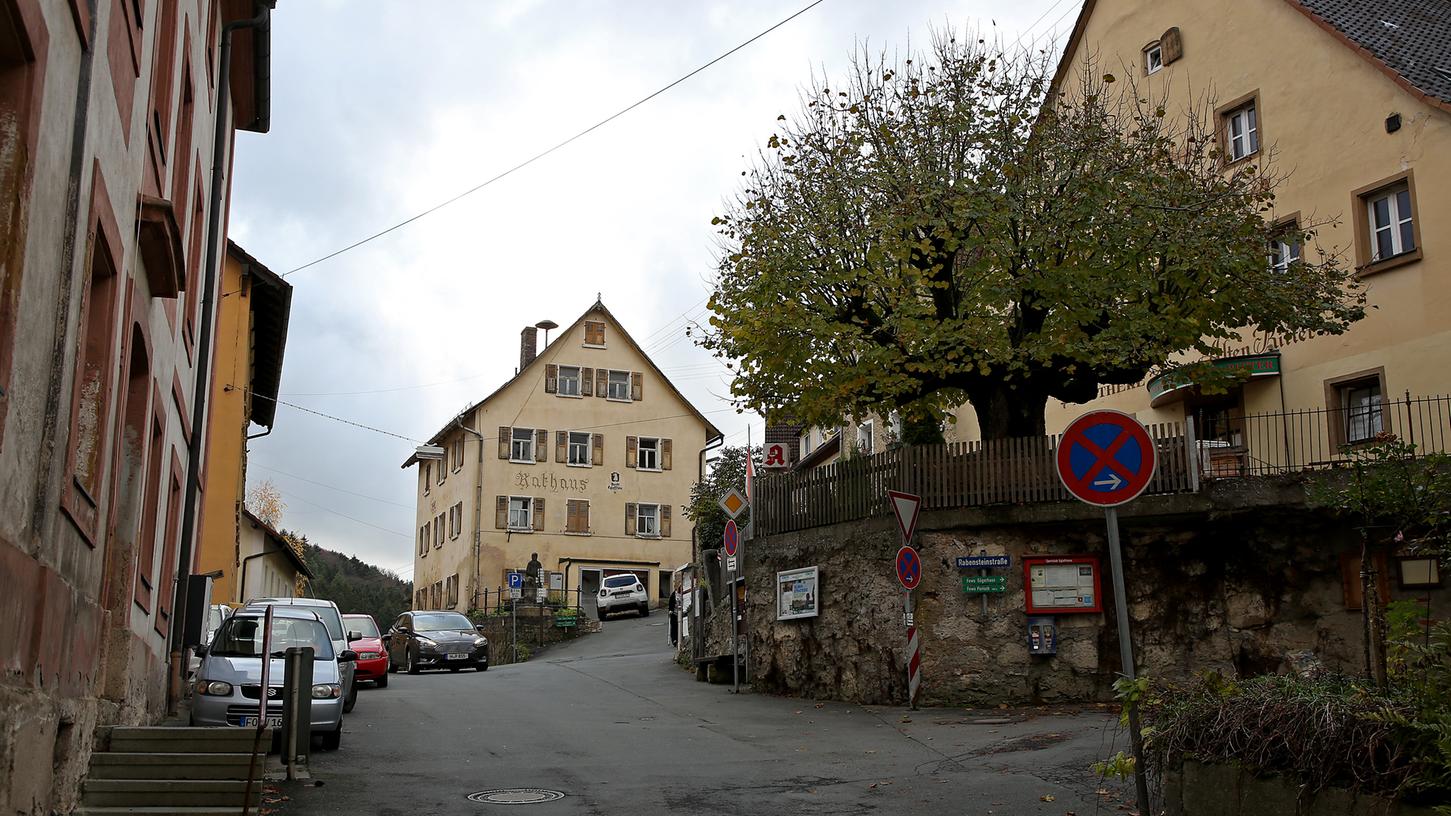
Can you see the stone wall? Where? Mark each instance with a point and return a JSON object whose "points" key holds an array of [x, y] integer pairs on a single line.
{"points": [[1241, 583]]}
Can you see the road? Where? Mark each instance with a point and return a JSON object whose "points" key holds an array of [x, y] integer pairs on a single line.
{"points": [[612, 723]]}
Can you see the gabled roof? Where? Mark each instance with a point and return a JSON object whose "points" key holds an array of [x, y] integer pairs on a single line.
{"points": [[1407, 40], [280, 540], [712, 432]]}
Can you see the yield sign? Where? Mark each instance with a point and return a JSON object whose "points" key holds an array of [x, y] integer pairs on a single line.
{"points": [[906, 506], [909, 567], [1106, 458]]}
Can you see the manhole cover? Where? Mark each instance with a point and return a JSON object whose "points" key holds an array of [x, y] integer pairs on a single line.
{"points": [[516, 796]]}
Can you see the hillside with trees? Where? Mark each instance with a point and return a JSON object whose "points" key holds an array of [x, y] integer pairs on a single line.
{"points": [[356, 586]]}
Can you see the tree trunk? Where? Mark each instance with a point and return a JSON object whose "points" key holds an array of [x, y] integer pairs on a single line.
{"points": [[1005, 411]]}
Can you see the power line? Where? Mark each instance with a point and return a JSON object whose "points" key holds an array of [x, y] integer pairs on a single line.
{"points": [[328, 486], [326, 509], [537, 156]]}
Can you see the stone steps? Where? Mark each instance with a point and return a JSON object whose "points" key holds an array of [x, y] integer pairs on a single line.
{"points": [[174, 771], [170, 792], [181, 739], [162, 811], [113, 765]]}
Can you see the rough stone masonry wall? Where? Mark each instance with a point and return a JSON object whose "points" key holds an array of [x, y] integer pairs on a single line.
{"points": [[1234, 592]]}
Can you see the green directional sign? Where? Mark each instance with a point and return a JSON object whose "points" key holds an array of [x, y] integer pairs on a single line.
{"points": [[985, 583]]}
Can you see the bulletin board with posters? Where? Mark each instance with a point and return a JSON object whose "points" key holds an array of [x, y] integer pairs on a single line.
{"points": [[798, 594], [1061, 584]]}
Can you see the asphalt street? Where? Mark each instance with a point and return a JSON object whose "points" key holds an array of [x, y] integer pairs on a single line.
{"points": [[613, 724]]}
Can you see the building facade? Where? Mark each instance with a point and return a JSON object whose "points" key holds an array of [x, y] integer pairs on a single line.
{"points": [[584, 459], [270, 565], [110, 114], [1350, 104], [252, 318]]}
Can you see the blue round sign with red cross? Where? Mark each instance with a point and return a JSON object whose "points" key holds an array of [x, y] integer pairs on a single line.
{"points": [[909, 567], [732, 539], [1106, 458]]}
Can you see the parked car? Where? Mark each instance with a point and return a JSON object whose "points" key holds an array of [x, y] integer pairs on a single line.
{"points": [[435, 640], [229, 682], [328, 613], [622, 592], [365, 639], [216, 614]]}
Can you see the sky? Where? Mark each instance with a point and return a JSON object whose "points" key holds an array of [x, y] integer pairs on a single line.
{"points": [[381, 111]]}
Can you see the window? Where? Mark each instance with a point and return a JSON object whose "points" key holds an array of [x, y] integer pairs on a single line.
{"points": [[458, 453], [619, 385], [805, 442], [442, 470], [522, 449], [647, 520], [521, 515], [1361, 403], [1285, 248], [427, 477], [866, 437], [1153, 58], [594, 333], [648, 454], [576, 516], [569, 381], [1241, 132], [423, 541], [438, 532], [579, 448], [1392, 228]]}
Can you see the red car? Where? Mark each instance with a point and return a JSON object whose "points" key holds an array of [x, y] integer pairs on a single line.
{"points": [[364, 638]]}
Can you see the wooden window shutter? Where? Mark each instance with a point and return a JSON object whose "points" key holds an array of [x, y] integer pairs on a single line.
{"points": [[1171, 45], [594, 333], [602, 382], [665, 454], [538, 509], [664, 521], [571, 515], [501, 512], [629, 518], [561, 445], [586, 382], [597, 450], [1351, 587], [541, 445], [637, 386], [583, 505], [632, 444], [551, 379], [505, 434]]}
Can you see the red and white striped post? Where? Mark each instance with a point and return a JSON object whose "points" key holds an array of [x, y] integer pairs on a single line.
{"points": [[914, 657]]}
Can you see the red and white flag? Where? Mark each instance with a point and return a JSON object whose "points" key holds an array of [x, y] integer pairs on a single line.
{"points": [[750, 475]]}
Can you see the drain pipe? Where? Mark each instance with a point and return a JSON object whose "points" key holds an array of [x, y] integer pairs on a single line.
{"points": [[201, 391], [478, 506]]}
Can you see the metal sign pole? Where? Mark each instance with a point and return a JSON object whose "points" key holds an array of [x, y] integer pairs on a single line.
{"points": [[735, 640], [1126, 655], [911, 651]]}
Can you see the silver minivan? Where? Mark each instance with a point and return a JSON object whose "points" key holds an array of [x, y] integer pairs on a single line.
{"points": [[229, 682], [332, 618]]}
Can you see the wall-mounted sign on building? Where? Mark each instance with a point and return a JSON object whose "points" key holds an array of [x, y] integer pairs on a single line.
{"points": [[798, 594], [1061, 584], [776, 456], [984, 583]]}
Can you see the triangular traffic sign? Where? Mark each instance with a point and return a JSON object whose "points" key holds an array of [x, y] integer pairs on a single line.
{"points": [[906, 506]]}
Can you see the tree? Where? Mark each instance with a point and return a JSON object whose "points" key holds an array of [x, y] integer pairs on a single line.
{"points": [[727, 472], [265, 502], [952, 228]]}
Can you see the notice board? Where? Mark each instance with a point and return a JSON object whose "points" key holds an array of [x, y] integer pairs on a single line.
{"points": [[1061, 584]]}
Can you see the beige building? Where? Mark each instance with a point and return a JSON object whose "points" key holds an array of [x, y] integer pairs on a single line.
{"points": [[585, 457], [271, 566]]}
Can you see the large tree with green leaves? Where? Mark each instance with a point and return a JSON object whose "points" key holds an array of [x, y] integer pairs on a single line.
{"points": [[951, 227]]}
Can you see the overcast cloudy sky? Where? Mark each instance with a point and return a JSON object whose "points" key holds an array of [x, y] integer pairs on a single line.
{"points": [[382, 110]]}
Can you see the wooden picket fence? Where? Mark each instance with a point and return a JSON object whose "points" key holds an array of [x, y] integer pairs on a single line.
{"points": [[953, 475]]}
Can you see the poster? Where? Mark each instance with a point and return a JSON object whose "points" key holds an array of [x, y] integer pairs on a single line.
{"points": [[798, 594], [1059, 584]]}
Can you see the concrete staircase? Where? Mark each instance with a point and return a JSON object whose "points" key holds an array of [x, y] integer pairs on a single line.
{"points": [[173, 771]]}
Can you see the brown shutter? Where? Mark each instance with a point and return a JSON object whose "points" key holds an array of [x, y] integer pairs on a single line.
{"points": [[561, 446], [583, 513], [501, 512], [538, 513], [571, 512], [541, 445], [586, 382], [665, 454], [664, 521], [551, 378], [1171, 45], [631, 445], [602, 382], [597, 443], [629, 518], [637, 386], [505, 434], [594, 333]]}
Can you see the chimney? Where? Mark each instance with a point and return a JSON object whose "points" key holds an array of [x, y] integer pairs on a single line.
{"points": [[528, 346]]}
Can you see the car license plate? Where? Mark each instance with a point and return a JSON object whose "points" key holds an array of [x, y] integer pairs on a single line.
{"points": [[272, 722], [458, 656]]}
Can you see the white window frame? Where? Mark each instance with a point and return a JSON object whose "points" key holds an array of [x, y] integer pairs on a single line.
{"points": [[1283, 252], [1369, 416], [427, 477], [1397, 222], [569, 446], [640, 453], [515, 441], [640, 517], [1154, 58], [1247, 118], [610, 386], [578, 373], [458, 451], [527, 508], [866, 437], [805, 443]]}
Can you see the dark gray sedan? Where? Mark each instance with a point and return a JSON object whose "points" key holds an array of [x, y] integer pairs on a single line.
{"points": [[435, 640]]}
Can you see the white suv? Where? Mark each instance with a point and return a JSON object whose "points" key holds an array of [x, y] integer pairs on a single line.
{"points": [[622, 592]]}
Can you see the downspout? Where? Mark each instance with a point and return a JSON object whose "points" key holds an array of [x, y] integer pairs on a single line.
{"points": [[478, 507], [242, 581], [200, 391]]}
